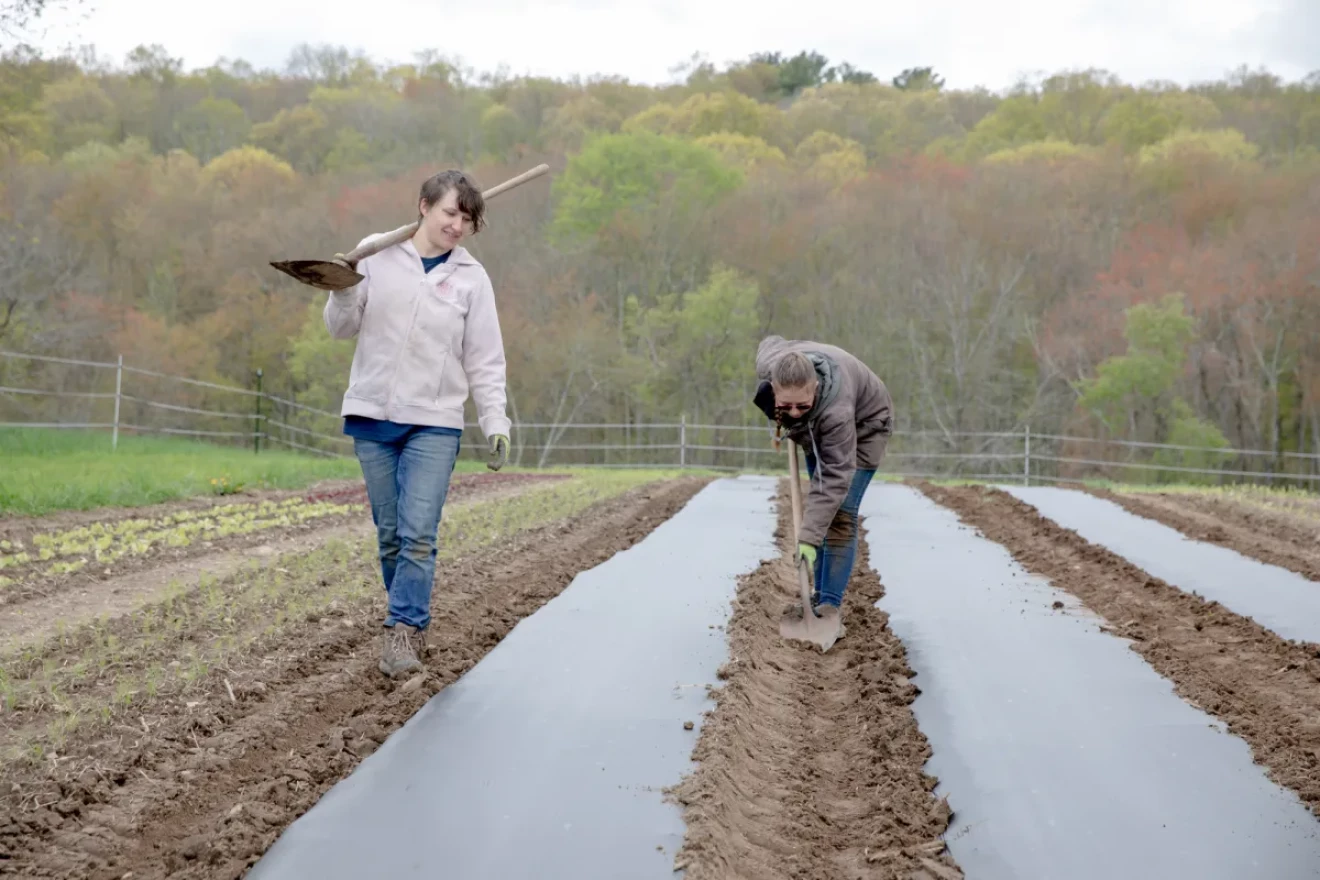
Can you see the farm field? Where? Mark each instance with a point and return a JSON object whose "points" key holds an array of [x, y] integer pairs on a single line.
{"points": [[221, 715]]}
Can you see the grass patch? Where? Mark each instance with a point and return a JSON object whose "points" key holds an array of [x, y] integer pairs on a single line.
{"points": [[51, 470]]}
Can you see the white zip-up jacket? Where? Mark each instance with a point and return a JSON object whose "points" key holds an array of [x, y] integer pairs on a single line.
{"points": [[423, 340]]}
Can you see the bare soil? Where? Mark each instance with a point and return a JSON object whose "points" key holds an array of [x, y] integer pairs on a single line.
{"points": [[201, 789], [811, 764], [1265, 689], [1274, 536]]}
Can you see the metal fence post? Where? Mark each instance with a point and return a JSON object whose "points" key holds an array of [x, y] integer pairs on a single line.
{"points": [[1026, 457], [682, 441], [256, 422], [119, 392]]}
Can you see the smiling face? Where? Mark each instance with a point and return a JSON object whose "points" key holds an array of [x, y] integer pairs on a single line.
{"points": [[450, 207], [444, 223]]}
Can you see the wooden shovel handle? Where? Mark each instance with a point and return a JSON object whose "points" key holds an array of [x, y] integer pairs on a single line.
{"points": [[795, 491], [403, 233]]}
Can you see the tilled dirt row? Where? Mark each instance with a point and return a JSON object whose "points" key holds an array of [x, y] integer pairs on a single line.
{"points": [[204, 790], [1274, 538], [810, 766], [1265, 689]]}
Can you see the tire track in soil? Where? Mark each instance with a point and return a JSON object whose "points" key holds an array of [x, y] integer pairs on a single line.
{"points": [[206, 792], [1275, 539], [810, 765], [1266, 689]]}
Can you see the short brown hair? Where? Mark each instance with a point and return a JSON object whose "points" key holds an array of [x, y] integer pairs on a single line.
{"points": [[793, 369], [470, 201]]}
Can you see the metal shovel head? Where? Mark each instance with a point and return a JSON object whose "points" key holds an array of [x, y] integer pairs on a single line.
{"points": [[323, 274], [801, 622], [803, 625]]}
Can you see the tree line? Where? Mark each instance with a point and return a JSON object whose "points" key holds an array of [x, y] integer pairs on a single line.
{"points": [[1080, 254]]}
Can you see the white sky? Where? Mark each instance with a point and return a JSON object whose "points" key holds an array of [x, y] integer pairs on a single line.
{"points": [[969, 42]]}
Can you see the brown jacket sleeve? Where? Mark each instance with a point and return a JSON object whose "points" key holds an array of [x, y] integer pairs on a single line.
{"points": [[836, 448]]}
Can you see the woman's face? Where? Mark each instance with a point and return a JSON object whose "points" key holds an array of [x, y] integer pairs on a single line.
{"points": [[443, 223]]}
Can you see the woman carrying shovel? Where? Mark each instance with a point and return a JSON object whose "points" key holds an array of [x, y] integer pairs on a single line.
{"points": [[427, 332]]}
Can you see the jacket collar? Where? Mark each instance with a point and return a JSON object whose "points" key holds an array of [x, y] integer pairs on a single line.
{"points": [[459, 256]]}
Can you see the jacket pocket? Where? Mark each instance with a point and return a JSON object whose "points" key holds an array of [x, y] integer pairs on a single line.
{"points": [[421, 375]]}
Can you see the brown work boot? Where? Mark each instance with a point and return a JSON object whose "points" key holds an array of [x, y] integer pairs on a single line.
{"points": [[418, 639], [398, 651]]}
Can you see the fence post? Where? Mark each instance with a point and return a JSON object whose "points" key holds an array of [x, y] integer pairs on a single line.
{"points": [[682, 441], [256, 422], [119, 392], [1026, 457]]}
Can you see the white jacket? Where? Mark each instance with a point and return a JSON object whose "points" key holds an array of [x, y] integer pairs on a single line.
{"points": [[423, 339]]}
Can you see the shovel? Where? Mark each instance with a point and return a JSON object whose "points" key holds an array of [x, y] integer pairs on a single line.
{"points": [[806, 625], [340, 274]]}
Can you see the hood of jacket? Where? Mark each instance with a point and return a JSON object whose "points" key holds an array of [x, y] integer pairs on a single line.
{"points": [[827, 372]]}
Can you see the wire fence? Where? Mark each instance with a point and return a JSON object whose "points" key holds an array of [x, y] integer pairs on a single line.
{"points": [[38, 391]]}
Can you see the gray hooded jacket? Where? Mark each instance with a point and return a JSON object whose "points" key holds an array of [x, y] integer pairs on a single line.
{"points": [[847, 428]]}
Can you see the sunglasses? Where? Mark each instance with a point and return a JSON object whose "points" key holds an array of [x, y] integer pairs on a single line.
{"points": [[793, 408]]}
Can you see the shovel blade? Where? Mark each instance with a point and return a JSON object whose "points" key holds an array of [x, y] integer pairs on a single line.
{"points": [[322, 274], [803, 625]]}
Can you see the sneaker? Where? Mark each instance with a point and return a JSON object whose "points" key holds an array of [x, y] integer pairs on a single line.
{"points": [[398, 652]]}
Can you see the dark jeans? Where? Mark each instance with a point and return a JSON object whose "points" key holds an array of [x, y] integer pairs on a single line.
{"points": [[835, 558], [407, 483]]}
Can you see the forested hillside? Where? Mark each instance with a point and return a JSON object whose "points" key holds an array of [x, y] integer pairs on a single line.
{"points": [[1089, 255]]}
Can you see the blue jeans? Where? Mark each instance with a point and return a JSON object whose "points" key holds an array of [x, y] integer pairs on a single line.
{"points": [[835, 557], [407, 483]]}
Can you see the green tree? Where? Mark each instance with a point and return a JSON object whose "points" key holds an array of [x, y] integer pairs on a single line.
{"points": [[704, 114], [1048, 150], [632, 172], [1135, 394], [696, 344], [211, 127], [804, 70], [1145, 118], [249, 169], [501, 130], [301, 135], [78, 110], [849, 74], [742, 151], [1016, 121], [919, 79]]}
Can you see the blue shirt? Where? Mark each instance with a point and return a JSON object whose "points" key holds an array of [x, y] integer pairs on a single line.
{"points": [[393, 432], [429, 263]]}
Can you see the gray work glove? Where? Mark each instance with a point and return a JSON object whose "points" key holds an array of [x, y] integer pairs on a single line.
{"points": [[499, 452]]}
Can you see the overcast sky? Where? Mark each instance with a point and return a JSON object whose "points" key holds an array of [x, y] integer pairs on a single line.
{"points": [[970, 42]]}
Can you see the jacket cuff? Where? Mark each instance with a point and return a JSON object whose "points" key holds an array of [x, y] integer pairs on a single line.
{"points": [[492, 425], [809, 535]]}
